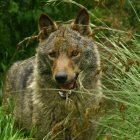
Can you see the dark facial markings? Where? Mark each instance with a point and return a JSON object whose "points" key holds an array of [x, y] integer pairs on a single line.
{"points": [[70, 53], [52, 55]]}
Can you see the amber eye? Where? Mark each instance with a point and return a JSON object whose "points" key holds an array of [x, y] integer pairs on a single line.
{"points": [[52, 55], [74, 53]]}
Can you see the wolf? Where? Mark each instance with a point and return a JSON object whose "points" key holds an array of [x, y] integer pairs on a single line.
{"points": [[58, 92]]}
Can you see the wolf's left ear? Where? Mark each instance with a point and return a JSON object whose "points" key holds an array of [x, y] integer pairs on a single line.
{"points": [[46, 26], [82, 23]]}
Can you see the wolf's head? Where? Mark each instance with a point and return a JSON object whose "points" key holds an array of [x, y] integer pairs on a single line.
{"points": [[67, 50]]}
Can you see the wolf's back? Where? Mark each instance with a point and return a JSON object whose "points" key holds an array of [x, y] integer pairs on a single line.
{"points": [[18, 76]]}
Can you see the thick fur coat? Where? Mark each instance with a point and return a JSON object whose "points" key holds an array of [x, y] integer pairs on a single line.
{"points": [[58, 91]]}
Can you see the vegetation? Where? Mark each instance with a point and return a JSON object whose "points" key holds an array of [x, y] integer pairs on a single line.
{"points": [[116, 31]]}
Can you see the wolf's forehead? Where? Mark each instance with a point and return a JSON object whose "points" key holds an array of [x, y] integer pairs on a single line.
{"points": [[65, 37]]}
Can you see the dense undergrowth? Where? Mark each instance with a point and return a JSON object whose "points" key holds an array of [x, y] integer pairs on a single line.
{"points": [[117, 36]]}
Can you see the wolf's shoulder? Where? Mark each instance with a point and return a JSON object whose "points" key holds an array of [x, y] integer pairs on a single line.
{"points": [[22, 65], [20, 72]]}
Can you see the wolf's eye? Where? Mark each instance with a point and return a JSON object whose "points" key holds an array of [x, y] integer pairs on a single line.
{"points": [[52, 55], [74, 53]]}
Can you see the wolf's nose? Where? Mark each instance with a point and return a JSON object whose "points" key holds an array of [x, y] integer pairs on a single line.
{"points": [[61, 77]]}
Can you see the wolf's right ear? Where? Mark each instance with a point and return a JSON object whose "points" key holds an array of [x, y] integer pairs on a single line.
{"points": [[46, 26]]}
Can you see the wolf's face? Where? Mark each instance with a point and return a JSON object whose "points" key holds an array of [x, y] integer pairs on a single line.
{"points": [[63, 57], [64, 60], [67, 50]]}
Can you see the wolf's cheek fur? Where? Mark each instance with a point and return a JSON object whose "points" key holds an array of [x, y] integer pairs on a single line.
{"points": [[88, 61], [44, 64]]}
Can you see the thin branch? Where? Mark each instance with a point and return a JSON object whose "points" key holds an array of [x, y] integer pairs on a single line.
{"points": [[134, 10], [27, 39]]}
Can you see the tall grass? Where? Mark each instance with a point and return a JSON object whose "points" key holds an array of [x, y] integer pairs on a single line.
{"points": [[121, 79], [121, 87], [7, 131]]}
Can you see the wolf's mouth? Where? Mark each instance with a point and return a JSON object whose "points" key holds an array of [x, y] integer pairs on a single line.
{"points": [[65, 89], [68, 86]]}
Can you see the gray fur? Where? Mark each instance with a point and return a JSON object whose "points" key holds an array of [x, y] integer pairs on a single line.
{"points": [[35, 92]]}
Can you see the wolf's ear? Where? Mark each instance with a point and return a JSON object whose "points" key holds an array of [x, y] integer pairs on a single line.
{"points": [[46, 26], [82, 23]]}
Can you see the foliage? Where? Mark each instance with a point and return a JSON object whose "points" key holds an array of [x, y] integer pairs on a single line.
{"points": [[6, 127], [116, 31]]}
